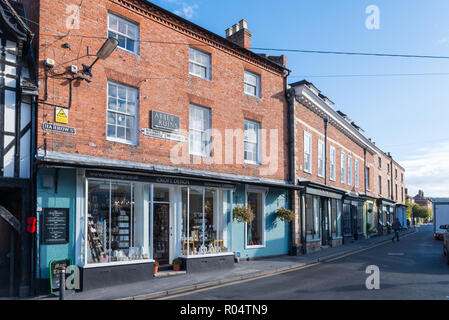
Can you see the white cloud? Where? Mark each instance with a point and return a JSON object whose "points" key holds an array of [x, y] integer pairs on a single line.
{"points": [[186, 10], [428, 170]]}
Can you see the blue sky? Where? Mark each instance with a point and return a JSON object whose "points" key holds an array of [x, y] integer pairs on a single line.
{"points": [[405, 115]]}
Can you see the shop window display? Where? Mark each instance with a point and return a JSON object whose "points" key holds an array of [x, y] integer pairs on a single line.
{"points": [[255, 227], [202, 222], [111, 223]]}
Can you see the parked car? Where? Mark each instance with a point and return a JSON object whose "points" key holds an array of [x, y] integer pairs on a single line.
{"points": [[446, 241]]}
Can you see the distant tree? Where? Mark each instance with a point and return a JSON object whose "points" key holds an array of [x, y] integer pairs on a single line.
{"points": [[421, 212], [409, 208]]}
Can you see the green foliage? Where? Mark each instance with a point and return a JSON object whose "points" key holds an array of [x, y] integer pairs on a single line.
{"points": [[177, 261], [421, 212], [285, 215], [369, 228], [243, 214]]}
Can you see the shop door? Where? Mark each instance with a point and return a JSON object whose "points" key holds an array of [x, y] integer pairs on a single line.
{"points": [[161, 234], [324, 222]]}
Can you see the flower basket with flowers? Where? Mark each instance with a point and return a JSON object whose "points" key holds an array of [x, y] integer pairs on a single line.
{"points": [[243, 214], [285, 215], [156, 267]]}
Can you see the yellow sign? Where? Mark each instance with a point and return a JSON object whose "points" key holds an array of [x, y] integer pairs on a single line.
{"points": [[61, 115]]}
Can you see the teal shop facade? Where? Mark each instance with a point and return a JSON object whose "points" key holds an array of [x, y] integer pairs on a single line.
{"points": [[121, 222]]}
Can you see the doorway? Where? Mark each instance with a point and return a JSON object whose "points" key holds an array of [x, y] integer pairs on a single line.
{"points": [[324, 213], [161, 222], [11, 200]]}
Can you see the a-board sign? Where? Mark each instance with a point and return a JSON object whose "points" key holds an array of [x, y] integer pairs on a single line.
{"points": [[54, 267], [55, 226]]}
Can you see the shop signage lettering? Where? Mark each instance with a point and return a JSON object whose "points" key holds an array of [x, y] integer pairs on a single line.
{"points": [[58, 128], [157, 179], [55, 226], [323, 193], [164, 121], [163, 135]]}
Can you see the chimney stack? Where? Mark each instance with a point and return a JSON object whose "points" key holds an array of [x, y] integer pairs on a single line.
{"points": [[239, 34]]}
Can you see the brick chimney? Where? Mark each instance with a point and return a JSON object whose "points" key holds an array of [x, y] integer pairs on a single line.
{"points": [[239, 34]]}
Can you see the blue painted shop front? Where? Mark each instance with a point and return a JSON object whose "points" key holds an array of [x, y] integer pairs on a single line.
{"points": [[275, 234], [141, 204]]}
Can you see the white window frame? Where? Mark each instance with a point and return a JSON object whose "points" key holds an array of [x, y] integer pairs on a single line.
{"points": [[356, 173], [349, 170], [320, 158], [205, 131], [117, 33], [308, 153], [343, 167], [200, 64], [258, 83], [257, 142], [136, 115], [332, 160], [263, 192]]}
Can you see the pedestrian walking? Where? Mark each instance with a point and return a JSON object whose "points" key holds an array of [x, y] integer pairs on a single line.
{"points": [[396, 227]]}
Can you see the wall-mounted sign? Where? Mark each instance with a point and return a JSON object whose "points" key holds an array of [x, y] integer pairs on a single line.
{"points": [[55, 226], [164, 121], [61, 115], [163, 135], [180, 181], [57, 128]]}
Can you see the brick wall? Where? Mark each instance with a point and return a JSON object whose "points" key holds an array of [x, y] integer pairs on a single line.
{"points": [[161, 74]]}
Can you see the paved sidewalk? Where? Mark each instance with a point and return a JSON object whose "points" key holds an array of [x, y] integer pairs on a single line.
{"points": [[160, 287]]}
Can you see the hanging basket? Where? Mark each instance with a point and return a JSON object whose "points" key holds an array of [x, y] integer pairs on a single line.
{"points": [[285, 215], [243, 214]]}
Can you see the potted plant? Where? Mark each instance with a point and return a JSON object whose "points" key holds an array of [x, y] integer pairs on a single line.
{"points": [[285, 215], [243, 214], [156, 267], [369, 229], [177, 264]]}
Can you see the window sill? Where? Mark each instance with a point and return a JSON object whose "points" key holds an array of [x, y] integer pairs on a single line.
{"points": [[199, 77], [308, 172], [129, 143], [129, 51], [252, 163], [251, 95], [261, 246]]}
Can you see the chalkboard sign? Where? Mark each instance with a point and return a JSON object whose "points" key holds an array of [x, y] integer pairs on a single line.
{"points": [[54, 267], [55, 226]]}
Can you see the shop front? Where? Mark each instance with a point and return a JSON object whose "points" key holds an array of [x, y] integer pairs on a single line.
{"points": [[118, 225], [353, 217], [385, 215], [370, 217], [401, 214], [321, 212]]}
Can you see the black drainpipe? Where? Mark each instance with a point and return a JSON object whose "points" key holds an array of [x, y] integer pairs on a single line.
{"points": [[326, 122]]}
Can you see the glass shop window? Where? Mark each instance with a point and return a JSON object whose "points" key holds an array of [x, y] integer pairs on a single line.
{"points": [[347, 219], [336, 218], [313, 230], [254, 229], [113, 232], [202, 221]]}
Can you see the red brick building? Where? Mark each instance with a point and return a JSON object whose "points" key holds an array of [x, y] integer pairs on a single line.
{"points": [[335, 166], [150, 148]]}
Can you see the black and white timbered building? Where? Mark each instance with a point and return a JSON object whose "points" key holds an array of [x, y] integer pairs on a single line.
{"points": [[18, 94]]}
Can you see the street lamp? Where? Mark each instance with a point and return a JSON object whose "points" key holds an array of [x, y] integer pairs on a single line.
{"points": [[104, 52]]}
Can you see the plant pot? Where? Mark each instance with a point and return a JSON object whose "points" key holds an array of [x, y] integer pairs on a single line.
{"points": [[156, 268], [176, 267]]}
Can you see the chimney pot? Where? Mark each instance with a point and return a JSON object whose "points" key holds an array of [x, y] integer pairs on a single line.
{"points": [[228, 32], [235, 28], [243, 24]]}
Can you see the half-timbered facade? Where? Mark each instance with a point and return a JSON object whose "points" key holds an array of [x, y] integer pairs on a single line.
{"points": [[17, 94]]}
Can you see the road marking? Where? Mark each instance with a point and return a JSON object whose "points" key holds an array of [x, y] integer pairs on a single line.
{"points": [[396, 254], [277, 273]]}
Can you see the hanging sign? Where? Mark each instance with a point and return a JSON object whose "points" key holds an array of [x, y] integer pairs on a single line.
{"points": [[61, 115]]}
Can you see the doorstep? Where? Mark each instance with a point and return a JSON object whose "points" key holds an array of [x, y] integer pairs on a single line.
{"points": [[163, 274]]}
